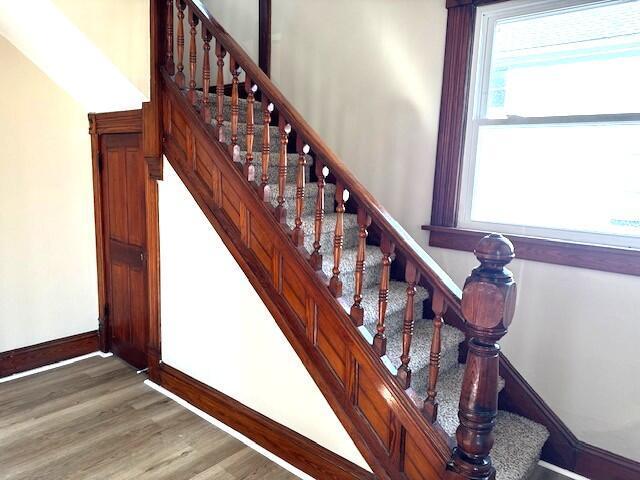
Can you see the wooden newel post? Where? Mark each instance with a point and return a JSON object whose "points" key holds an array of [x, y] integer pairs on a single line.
{"points": [[488, 303]]}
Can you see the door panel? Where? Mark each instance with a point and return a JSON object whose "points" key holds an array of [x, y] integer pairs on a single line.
{"points": [[123, 180]]}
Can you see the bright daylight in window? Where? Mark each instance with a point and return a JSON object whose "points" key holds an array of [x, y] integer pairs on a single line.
{"points": [[553, 134]]}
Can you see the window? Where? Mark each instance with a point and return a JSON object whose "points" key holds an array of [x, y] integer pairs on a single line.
{"points": [[554, 122]]}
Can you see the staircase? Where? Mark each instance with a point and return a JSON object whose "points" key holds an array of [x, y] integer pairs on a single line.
{"points": [[363, 305]]}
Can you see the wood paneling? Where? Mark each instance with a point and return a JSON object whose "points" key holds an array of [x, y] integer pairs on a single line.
{"points": [[318, 328], [35, 356]]}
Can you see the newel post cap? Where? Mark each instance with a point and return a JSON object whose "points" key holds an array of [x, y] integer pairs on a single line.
{"points": [[489, 294], [494, 248]]}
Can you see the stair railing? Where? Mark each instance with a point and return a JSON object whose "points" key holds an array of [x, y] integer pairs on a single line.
{"points": [[486, 305]]}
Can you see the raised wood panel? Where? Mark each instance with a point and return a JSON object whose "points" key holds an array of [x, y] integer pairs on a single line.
{"points": [[261, 245], [204, 169], [416, 463], [373, 405], [294, 291], [331, 346], [231, 203]]}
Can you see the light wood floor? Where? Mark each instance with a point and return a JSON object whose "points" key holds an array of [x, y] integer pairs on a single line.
{"points": [[95, 419]]}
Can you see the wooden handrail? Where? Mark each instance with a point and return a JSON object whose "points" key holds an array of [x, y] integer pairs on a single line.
{"points": [[427, 267]]}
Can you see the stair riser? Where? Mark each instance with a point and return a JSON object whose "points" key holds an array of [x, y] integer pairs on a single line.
{"points": [[273, 172], [420, 378], [394, 319], [309, 205]]}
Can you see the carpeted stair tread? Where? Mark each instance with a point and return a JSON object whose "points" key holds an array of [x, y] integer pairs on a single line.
{"points": [[372, 268], [310, 193], [274, 159], [396, 303], [350, 223], [517, 447], [274, 136], [421, 346], [242, 105]]}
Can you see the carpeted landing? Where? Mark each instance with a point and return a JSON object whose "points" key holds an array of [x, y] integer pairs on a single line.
{"points": [[518, 441]]}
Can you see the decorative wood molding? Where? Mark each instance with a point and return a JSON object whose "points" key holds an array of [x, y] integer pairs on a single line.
{"points": [[287, 444], [453, 112], [127, 121], [264, 36], [35, 356], [559, 252], [598, 464], [352, 378]]}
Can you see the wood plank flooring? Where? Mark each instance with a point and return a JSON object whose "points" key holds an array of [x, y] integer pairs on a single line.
{"points": [[95, 419]]}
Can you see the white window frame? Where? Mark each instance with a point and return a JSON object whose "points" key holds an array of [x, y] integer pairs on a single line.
{"points": [[486, 19]]}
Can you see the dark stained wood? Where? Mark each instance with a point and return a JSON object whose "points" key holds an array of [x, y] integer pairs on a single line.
{"points": [[152, 110], [264, 36], [599, 464], [153, 276], [403, 241], [42, 354], [430, 403], [127, 121], [123, 176], [284, 129], [357, 312], [193, 55], [488, 304], [380, 340], [180, 78], [319, 329], [453, 111], [169, 65], [206, 75], [335, 283], [287, 444], [248, 167], [235, 109], [297, 235], [559, 252], [220, 54], [267, 108], [316, 257], [404, 371]]}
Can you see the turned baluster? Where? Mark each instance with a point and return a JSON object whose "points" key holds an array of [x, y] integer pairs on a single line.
{"points": [[488, 304], [321, 172], [170, 66], [298, 233], [180, 80], [220, 54], [335, 283], [411, 276], [380, 340], [193, 57], [281, 208], [248, 168], [235, 100], [357, 312], [265, 191], [206, 75], [430, 404]]}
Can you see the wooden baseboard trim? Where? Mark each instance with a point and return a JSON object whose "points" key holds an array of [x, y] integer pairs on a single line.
{"points": [[35, 356], [599, 464], [292, 447]]}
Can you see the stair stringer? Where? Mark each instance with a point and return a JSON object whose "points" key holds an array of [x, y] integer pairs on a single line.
{"points": [[386, 427]]}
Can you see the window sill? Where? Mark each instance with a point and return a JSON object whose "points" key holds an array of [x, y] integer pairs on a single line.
{"points": [[559, 252]]}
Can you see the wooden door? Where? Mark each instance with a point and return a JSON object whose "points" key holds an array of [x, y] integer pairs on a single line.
{"points": [[124, 217]]}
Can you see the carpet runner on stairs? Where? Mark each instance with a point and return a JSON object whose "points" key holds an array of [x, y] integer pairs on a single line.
{"points": [[518, 441]]}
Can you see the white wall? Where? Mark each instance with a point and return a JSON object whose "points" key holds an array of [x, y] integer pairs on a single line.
{"points": [[47, 244], [216, 329], [367, 75]]}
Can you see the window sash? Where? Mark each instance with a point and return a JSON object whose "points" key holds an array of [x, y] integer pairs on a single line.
{"points": [[486, 20]]}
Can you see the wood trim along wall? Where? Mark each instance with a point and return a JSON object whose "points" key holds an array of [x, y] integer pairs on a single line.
{"points": [[449, 157], [563, 448], [287, 444], [595, 257], [264, 36], [35, 356]]}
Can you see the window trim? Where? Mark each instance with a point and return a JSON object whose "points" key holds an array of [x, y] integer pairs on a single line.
{"points": [[444, 231]]}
